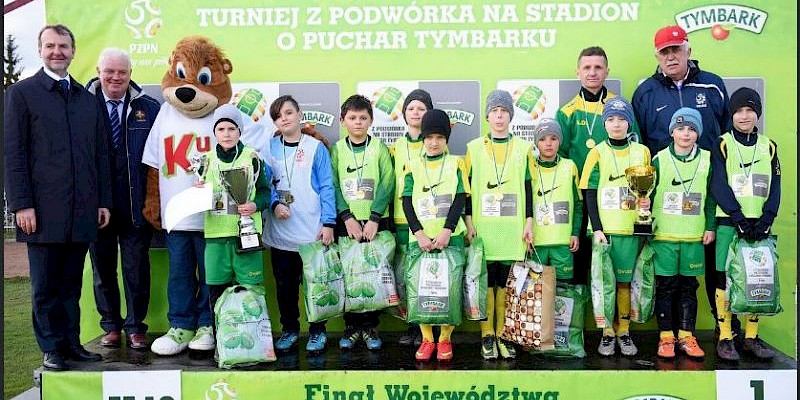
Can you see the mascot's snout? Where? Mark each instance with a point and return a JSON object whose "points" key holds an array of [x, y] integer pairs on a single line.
{"points": [[185, 94]]}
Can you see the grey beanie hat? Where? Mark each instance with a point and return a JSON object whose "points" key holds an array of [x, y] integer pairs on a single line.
{"points": [[686, 116], [417, 94], [547, 126], [228, 112], [619, 107], [500, 98]]}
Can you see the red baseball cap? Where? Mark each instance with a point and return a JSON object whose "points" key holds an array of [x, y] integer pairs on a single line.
{"points": [[670, 36]]}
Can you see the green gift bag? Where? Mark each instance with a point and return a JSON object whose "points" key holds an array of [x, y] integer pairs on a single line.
{"points": [[643, 286], [475, 282], [244, 332], [434, 285], [603, 284], [398, 266], [368, 276], [323, 281], [752, 273], [570, 308]]}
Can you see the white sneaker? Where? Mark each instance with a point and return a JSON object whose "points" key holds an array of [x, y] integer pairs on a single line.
{"points": [[203, 339], [173, 342]]}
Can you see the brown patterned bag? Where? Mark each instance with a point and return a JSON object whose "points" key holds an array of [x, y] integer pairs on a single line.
{"points": [[530, 305]]}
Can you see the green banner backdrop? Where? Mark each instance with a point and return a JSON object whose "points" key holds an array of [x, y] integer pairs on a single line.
{"points": [[352, 41]]}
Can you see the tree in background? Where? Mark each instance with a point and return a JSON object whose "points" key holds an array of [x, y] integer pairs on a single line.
{"points": [[11, 60]]}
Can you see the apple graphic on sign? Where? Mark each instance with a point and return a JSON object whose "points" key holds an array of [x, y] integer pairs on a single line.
{"points": [[721, 32]]}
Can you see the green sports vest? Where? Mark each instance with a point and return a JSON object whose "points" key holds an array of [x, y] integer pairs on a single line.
{"points": [[553, 203], [432, 198], [498, 208], [749, 177], [404, 151], [617, 207], [678, 216], [350, 165], [223, 219]]}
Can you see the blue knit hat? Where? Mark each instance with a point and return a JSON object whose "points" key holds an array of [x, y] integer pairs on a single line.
{"points": [[687, 117], [619, 107]]}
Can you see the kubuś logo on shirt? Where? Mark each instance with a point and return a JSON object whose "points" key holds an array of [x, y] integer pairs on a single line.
{"points": [[722, 19]]}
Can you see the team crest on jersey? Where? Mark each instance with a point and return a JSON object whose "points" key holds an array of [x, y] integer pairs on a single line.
{"points": [[700, 99], [139, 114]]}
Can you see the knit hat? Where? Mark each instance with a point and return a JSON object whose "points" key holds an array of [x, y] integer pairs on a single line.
{"points": [[547, 126], [686, 116], [435, 121], [745, 97], [670, 36], [500, 98], [620, 107], [228, 112], [420, 95]]}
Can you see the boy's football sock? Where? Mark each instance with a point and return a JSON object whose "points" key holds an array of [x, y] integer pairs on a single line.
{"points": [[666, 335], [427, 332], [623, 310], [684, 334], [500, 310], [751, 327], [723, 315], [445, 332], [487, 327]]}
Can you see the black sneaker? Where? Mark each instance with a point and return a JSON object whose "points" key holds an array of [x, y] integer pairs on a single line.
{"points": [[758, 348], [489, 347], [408, 338], [726, 350]]}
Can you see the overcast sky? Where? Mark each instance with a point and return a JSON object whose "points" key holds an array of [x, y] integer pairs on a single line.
{"points": [[24, 23]]}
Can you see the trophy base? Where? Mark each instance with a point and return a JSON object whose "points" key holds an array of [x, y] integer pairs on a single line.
{"points": [[642, 230], [249, 243]]}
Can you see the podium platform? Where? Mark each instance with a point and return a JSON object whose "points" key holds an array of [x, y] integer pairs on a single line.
{"points": [[392, 373]]}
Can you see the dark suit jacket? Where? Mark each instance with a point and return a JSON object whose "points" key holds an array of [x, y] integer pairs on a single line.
{"points": [[56, 159]]}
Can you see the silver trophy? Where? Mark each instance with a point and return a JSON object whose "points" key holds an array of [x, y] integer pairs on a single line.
{"points": [[240, 184]]}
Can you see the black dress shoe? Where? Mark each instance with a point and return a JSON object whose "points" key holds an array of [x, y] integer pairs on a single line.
{"points": [[78, 353], [53, 361]]}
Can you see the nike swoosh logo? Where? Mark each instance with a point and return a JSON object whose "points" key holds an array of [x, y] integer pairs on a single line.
{"points": [[546, 191], [660, 108], [350, 170], [490, 185], [749, 164], [612, 178], [676, 182], [428, 188]]}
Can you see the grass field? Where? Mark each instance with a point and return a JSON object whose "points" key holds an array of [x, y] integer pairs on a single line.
{"points": [[20, 353]]}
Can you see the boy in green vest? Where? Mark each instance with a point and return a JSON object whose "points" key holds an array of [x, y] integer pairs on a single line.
{"points": [[500, 211], [434, 196], [683, 219], [224, 265], [612, 212], [363, 180], [747, 188], [405, 149], [557, 204]]}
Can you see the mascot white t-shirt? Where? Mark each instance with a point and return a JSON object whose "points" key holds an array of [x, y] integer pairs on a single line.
{"points": [[173, 141]]}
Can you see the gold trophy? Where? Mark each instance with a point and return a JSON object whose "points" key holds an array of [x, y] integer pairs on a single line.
{"points": [[641, 182], [240, 183]]}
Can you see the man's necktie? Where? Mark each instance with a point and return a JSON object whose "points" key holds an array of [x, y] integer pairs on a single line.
{"points": [[116, 127]]}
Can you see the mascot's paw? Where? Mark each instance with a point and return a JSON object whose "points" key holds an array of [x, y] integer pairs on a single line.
{"points": [[152, 200], [173, 342]]}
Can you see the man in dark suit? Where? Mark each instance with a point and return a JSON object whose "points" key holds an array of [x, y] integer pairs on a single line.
{"points": [[128, 118], [57, 185]]}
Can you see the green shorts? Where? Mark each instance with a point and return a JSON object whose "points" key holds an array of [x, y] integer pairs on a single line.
{"points": [[725, 235], [559, 257], [224, 265], [623, 251], [679, 258], [401, 232]]}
